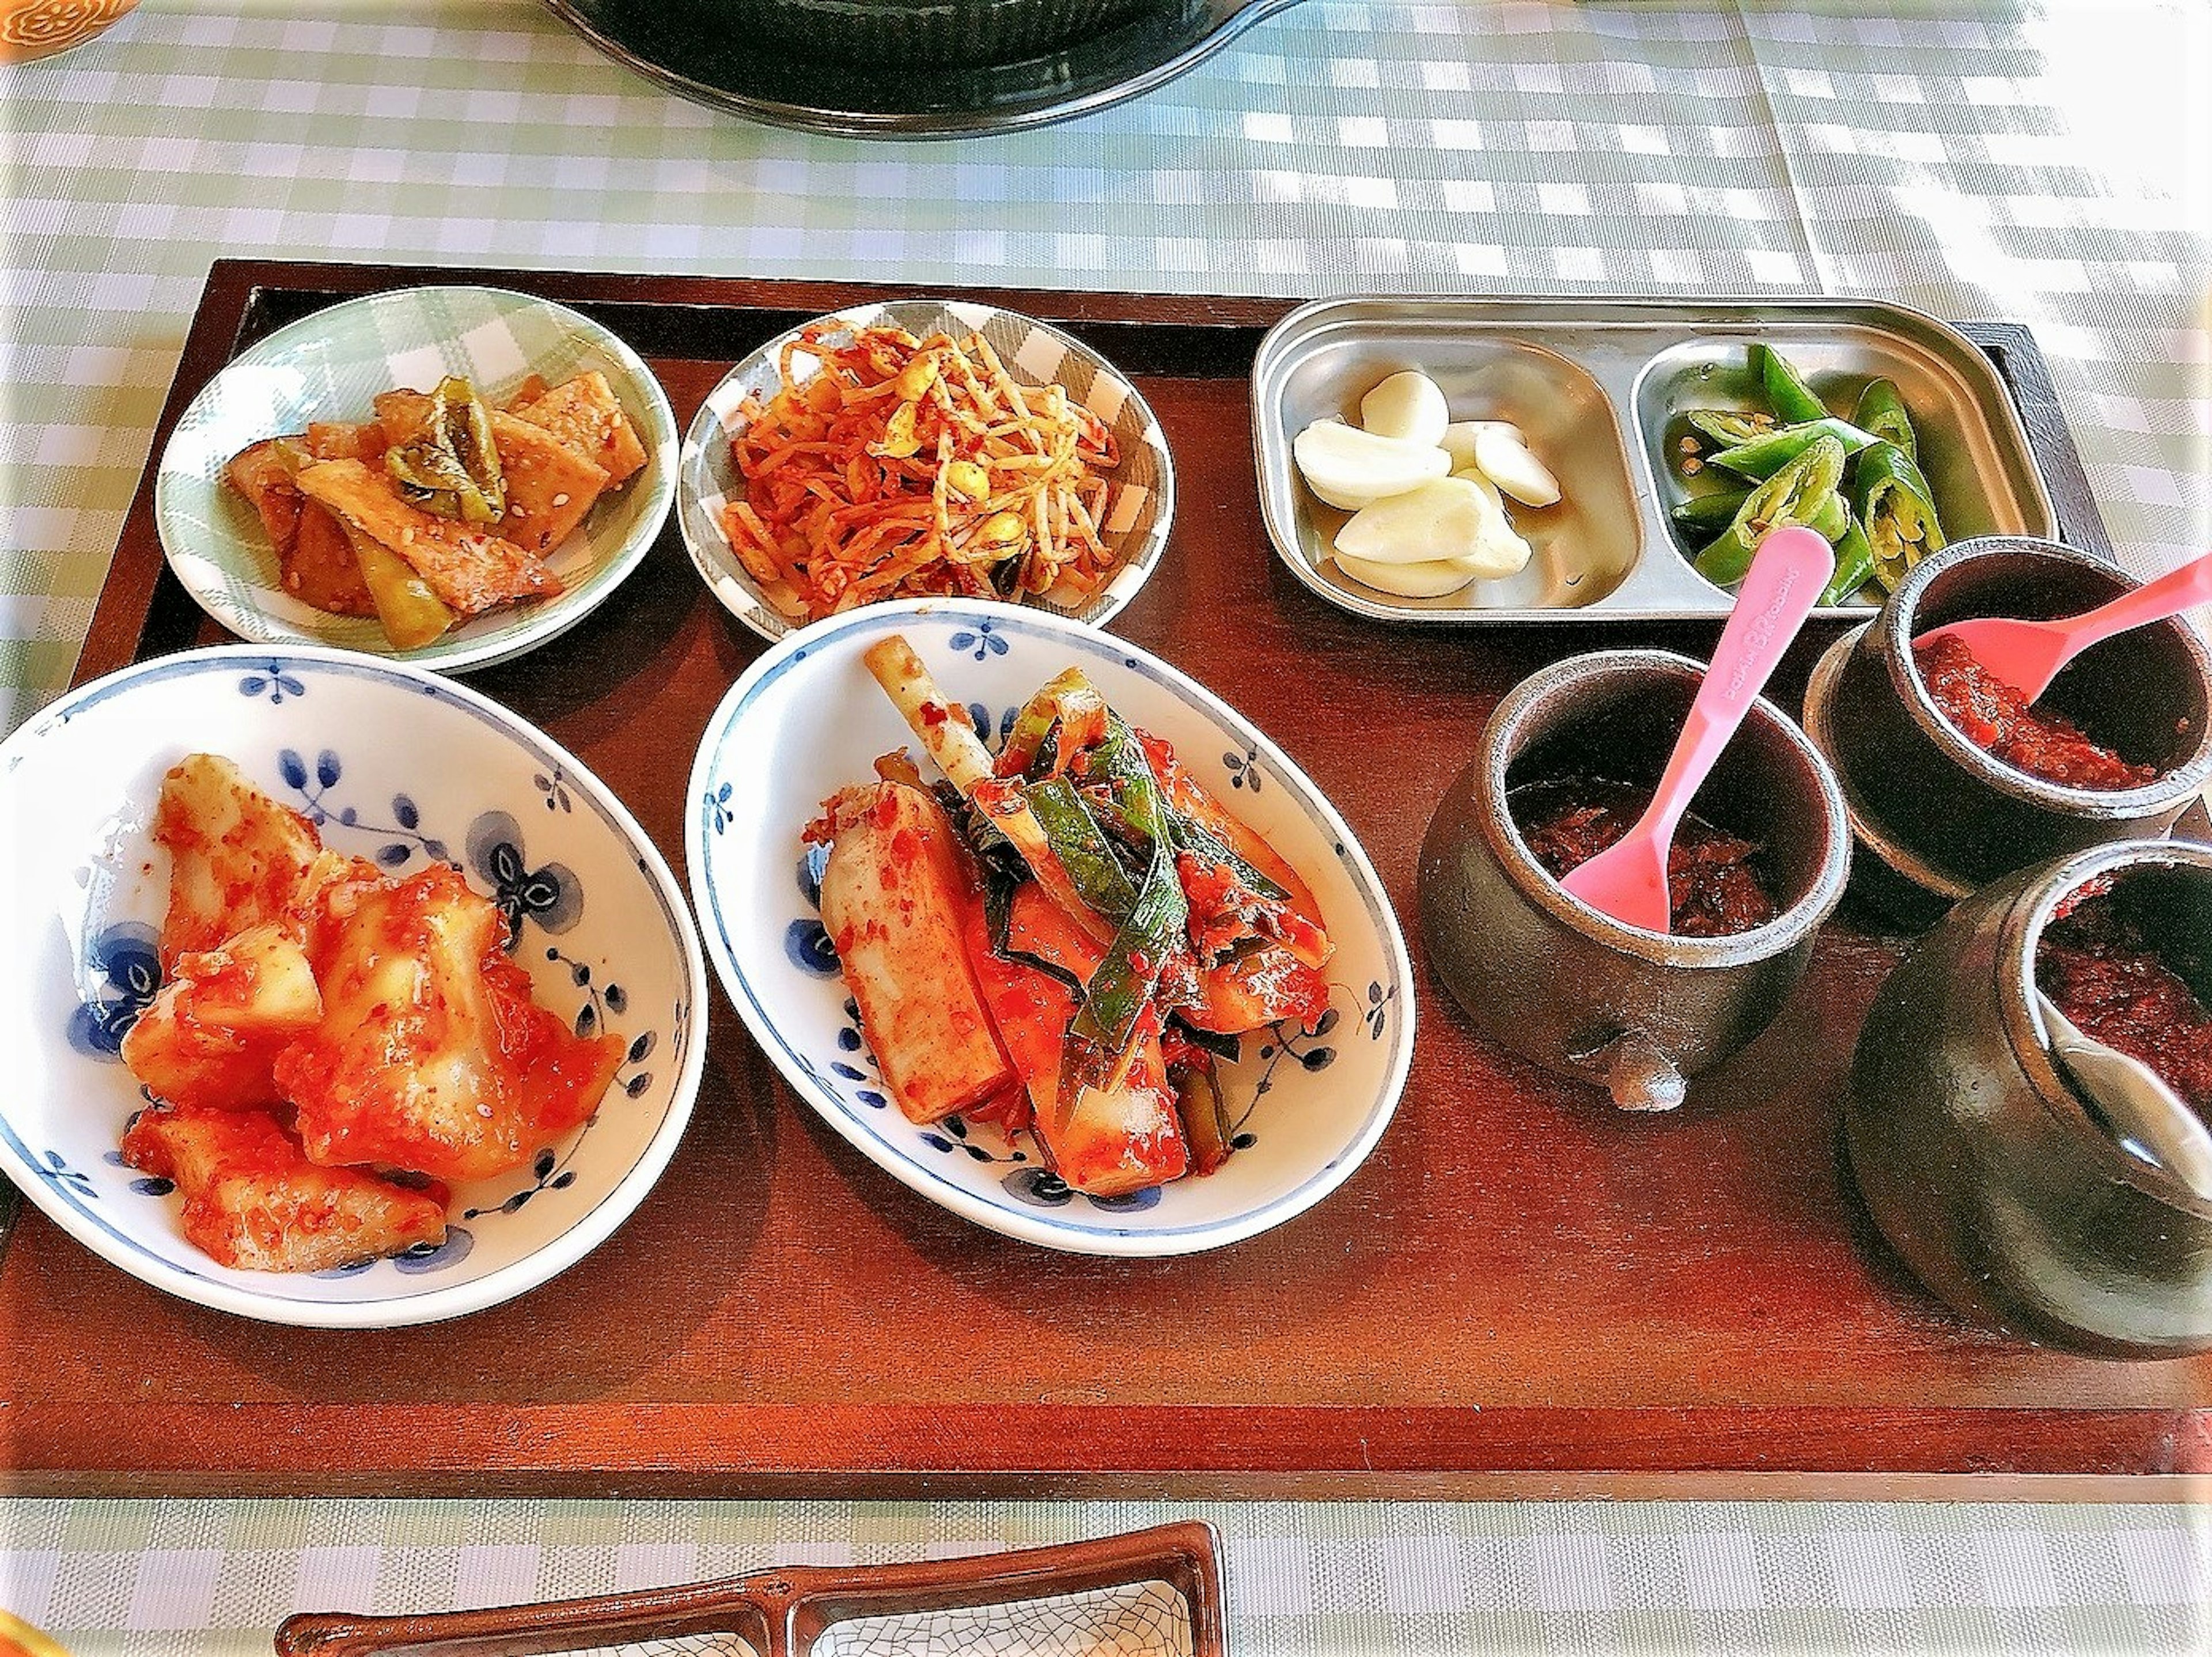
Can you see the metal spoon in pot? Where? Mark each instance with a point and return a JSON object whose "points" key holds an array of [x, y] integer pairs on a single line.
{"points": [[2144, 1116], [1628, 879]]}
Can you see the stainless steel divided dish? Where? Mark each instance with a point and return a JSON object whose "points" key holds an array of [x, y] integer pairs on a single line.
{"points": [[1599, 388]]}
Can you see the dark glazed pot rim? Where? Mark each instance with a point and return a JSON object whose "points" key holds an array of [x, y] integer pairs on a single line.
{"points": [[1787, 930], [1820, 726], [1897, 623], [2020, 1009]]}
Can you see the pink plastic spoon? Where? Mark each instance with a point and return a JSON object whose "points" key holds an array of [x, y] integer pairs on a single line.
{"points": [[2028, 655], [1628, 879]]}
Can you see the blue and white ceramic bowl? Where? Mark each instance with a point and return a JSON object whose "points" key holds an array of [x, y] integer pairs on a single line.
{"points": [[807, 719], [392, 763]]}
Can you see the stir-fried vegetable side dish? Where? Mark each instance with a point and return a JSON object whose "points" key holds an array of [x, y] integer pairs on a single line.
{"points": [[908, 468], [334, 1042], [1856, 482], [1061, 937], [440, 508]]}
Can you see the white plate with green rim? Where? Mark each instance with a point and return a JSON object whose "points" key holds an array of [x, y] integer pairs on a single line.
{"points": [[330, 365], [1140, 498]]}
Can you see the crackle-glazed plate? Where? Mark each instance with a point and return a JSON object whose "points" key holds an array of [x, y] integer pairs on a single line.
{"points": [[1140, 493], [393, 764], [331, 367], [807, 719]]}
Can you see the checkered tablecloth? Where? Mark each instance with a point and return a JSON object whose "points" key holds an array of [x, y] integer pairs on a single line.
{"points": [[213, 1579], [2040, 162]]}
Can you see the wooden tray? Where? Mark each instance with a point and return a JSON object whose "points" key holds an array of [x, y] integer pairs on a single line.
{"points": [[1521, 1292]]}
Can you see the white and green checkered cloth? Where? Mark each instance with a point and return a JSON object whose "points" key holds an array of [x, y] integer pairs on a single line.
{"points": [[2038, 162], [213, 1579]]}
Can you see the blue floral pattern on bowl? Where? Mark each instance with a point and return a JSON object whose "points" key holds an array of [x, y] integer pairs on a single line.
{"points": [[124, 966]]}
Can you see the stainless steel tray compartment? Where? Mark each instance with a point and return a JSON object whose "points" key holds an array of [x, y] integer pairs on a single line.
{"points": [[1584, 547], [1979, 467], [1608, 551]]}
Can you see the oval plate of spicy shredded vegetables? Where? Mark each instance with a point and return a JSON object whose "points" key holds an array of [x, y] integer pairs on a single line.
{"points": [[917, 449]]}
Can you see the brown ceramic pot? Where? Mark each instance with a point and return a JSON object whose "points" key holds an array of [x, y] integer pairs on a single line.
{"points": [[1978, 1159], [1943, 817], [1551, 978]]}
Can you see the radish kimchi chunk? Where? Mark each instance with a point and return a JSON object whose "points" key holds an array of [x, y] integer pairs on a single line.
{"points": [[212, 1035], [431, 1054], [897, 896], [253, 1201], [237, 859]]}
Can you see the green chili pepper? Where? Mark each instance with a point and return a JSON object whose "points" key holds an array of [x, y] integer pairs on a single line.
{"points": [[1726, 427], [1830, 517], [1891, 500], [1881, 410], [1854, 565], [1793, 400], [1710, 513], [411, 615], [1797, 494], [1762, 457], [447, 463]]}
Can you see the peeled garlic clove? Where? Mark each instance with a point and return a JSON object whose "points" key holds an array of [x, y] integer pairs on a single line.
{"points": [[1458, 441], [1430, 578], [1505, 543], [1503, 458], [1353, 469], [1442, 519], [1452, 518], [1408, 406]]}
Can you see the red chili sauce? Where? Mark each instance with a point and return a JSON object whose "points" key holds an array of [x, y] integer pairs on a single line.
{"points": [[1714, 886], [2093, 963], [1993, 716]]}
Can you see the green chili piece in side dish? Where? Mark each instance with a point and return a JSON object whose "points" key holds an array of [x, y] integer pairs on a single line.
{"points": [[1797, 494], [1793, 400], [445, 458], [1891, 500], [1725, 427], [411, 615], [1881, 410], [1854, 565], [1710, 513], [1762, 457], [1831, 517]]}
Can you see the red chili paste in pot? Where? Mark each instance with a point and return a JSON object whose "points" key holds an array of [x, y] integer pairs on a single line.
{"points": [[1995, 717], [1714, 887], [2093, 963]]}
